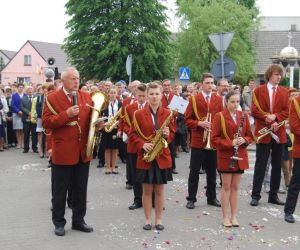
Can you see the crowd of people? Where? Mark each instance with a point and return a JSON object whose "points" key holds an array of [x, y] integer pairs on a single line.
{"points": [[219, 123]]}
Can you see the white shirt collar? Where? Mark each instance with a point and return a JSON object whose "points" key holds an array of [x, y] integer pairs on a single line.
{"points": [[270, 86], [66, 92], [205, 95]]}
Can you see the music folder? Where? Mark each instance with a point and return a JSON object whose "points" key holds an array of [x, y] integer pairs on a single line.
{"points": [[178, 104]]}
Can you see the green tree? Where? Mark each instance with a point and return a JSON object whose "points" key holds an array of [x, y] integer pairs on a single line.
{"points": [[103, 33], [203, 17]]}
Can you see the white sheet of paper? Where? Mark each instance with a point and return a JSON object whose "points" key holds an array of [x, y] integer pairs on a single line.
{"points": [[178, 104]]}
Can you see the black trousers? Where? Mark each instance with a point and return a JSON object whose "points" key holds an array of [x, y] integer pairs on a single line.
{"points": [[137, 187], [207, 159], [30, 128], [69, 193], [122, 149], [294, 188], [101, 152], [129, 172], [11, 137], [262, 155], [62, 177], [172, 150]]}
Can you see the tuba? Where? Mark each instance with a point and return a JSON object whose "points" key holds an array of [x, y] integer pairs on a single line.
{"points": [[100, 103], [158, 141], [112, 124]]}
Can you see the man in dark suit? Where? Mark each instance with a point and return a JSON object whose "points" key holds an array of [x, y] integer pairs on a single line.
{"points": [[28, 125]]}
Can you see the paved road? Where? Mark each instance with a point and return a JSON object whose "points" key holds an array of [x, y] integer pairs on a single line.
{"points": [[25, 218]]}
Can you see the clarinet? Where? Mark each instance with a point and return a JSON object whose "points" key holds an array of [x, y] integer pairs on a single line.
{"points": [[235, 157]]}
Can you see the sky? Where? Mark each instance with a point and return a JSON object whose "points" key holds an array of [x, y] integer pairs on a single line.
{"points": [[44, 20]]}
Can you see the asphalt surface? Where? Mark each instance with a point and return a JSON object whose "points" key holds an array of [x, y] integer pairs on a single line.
{"points": [[25, 217]]}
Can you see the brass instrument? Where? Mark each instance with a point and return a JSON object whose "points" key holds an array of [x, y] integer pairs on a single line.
{"points": [[100, 101], [112, 124], [158, 141], [206, 133], [265, 131]]}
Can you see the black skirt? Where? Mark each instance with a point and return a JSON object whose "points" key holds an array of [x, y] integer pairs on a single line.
{"points": [[154, 175], [236, 171], [110, 140]]}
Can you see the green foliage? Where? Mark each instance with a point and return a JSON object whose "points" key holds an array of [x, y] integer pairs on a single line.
{"points": [[203, 17], [103, 33]]}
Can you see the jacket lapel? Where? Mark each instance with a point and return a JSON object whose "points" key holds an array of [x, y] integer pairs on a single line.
{"points": [[267, 98], [64, 101]]}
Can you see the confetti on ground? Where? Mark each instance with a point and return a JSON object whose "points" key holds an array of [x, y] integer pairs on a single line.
{"points": [[205, 213], [230, 237]]}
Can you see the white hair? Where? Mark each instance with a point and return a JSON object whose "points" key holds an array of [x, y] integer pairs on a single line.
{"points": [[66, 71]]}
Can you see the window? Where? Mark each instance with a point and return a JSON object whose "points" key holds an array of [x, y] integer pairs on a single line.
{"points": [[27, 60], [24, 80]]}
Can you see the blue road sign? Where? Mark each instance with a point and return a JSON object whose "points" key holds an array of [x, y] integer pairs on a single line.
{"points": [[184, 74]]}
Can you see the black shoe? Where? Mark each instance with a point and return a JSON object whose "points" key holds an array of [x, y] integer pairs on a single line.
{"points": [[159, 227], [128, 186], [147, 227], [276, 201], [190, 205], [214, 202], [25, 151], [82, 227], [123, 161], [35, 151], [59, 231], [135, 206], [289, 218], [174, 171], [100, 166], [254, 202]]}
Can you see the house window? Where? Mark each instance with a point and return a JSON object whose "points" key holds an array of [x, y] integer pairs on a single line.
{"points": [[27, 60], [24, 80]]}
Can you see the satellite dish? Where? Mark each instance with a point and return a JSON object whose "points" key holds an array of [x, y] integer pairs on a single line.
{"points": [[51, 60]]}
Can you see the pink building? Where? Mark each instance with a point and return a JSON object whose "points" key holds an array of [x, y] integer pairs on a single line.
{"points": [[31, 60]]}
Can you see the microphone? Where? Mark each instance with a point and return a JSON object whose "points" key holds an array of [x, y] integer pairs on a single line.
{"points": [[75, 99]]}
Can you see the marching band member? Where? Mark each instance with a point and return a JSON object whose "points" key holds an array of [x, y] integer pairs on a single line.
{"points": [[269, 108], [110, 139], [165, 101], [150, 124], [231, 134], [70, 127], [200, 107], [121, 133], [140, 95], [294, 185]]}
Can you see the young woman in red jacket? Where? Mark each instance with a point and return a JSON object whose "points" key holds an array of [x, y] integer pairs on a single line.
{"points": [[231, 134], [153, 175]]}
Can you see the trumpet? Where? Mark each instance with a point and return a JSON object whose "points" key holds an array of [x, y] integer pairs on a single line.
{"points": [[206, 133], [265, 131]]}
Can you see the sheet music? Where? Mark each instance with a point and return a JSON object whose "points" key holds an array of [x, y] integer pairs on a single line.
{"points": [[178, 104]]}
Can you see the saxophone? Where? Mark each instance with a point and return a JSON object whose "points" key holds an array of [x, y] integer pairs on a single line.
{"points": [[113, 122], [158, 141]]}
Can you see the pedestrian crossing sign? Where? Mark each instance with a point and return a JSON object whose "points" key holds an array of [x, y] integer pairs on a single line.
{"points": [[184, 73]]}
